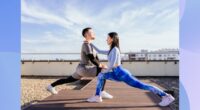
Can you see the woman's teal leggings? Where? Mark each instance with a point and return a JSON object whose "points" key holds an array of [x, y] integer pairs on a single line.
{"points": [[121, 74]]}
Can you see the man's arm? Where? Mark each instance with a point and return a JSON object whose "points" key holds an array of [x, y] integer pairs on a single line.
{"points": [[88, 51], [94, 60]]}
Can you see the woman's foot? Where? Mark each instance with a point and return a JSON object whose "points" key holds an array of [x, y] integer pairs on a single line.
{"points": [[51, 89], [166, 100], [106, 95], [96, 99]]}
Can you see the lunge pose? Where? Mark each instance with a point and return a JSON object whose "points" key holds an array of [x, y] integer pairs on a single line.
{"points": [[89, 65], [117, 73]]}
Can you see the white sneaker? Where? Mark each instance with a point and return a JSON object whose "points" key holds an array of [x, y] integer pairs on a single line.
{"points": [[166, 100], [95, 99], [106, 95], [51, 89]]}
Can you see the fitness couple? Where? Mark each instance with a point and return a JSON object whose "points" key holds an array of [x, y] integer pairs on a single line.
{"points": [[90, 66]]}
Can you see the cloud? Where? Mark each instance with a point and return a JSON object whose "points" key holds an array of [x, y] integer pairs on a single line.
{"points": [[34, 14], [50, 42], [140, 24]]}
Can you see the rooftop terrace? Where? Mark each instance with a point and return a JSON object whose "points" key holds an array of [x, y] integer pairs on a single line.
{"points": [[125, 97]]}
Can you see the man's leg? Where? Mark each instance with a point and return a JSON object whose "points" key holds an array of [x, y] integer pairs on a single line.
{"points": [[64, 81], [104, 83], [73, 78]]}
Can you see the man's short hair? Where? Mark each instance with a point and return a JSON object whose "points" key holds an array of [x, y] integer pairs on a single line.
{"points": [[85, 30]]}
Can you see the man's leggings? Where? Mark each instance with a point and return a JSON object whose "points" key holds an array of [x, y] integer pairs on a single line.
{"points": [[121, 74], [71, 79]]}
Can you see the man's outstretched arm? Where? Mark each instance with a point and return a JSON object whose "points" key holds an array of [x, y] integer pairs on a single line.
{"points": [[94, 60]]}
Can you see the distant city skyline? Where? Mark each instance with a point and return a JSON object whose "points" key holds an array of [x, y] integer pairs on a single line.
{"points": [[56, 25], [76, 56]]}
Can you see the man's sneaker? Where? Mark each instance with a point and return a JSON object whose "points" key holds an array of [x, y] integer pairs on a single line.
{"points": [[166, 100], [106, 95], [51, 89], [96, 99]]}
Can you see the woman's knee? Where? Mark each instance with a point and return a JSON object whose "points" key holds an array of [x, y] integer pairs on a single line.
{"points": [[100, 76]]}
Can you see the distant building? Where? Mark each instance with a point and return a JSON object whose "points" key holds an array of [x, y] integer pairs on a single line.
{"points": [[162, 54]]}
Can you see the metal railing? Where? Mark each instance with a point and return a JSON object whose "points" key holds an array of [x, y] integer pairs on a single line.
{"points": [[72, 57]]}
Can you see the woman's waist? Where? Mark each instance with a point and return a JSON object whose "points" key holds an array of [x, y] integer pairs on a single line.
{"points": [[116, 64], [117, 67]]}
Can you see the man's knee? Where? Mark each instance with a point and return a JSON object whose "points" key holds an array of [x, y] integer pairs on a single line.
{"points": [[71, 78], [98, 71]]}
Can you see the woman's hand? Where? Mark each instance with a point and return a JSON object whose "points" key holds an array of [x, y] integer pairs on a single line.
{"points": [[103, 66], [103, 70]]}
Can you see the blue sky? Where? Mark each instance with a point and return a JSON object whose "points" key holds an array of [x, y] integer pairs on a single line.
{"points": [[56, 25]]}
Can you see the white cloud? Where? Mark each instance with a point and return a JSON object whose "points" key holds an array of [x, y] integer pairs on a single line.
{"points": [[50, 42], [34, 14], [143, 26]]}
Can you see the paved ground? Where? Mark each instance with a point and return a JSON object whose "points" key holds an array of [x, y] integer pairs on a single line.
{"points": [[169, 83], [38, 84], [33, 88]]}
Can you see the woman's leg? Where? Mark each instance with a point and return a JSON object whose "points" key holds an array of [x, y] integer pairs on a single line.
{"points": [[104, 82], [134, 82], [63, 81], [101, 80]]}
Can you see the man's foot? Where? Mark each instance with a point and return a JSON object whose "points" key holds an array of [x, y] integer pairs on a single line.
{"points": [[106, 95], [95, 99], [51, 89], [166, 100]]}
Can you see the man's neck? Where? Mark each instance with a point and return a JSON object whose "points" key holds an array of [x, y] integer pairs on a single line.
{"points": [[88, 40]]}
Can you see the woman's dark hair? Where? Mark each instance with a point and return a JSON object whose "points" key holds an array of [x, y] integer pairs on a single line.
{"points": [[115, 43]]}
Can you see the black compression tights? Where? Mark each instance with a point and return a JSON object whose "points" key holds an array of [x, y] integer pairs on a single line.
{"points": [[68, 80], [64, 81]]}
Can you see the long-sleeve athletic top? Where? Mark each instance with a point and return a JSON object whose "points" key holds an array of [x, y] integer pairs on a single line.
{"points": [[113, 57], [88, 54]]}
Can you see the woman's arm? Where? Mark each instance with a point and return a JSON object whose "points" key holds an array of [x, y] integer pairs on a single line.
{"points": [[99, 51], [112, 60]]}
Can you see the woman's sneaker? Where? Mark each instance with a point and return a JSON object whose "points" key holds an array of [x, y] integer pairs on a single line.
{"points": [[106, 95], [51, 89], [96, 99], [166, 100]]}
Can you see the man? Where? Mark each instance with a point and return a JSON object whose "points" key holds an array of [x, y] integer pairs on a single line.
{"points": [[89, 65]]}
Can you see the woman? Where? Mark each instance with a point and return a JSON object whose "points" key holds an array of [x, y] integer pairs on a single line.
{"points": [[117, 73]]}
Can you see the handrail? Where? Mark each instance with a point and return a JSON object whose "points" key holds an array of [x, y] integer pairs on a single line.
{"points": [[62, 53], [100, 60]]}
